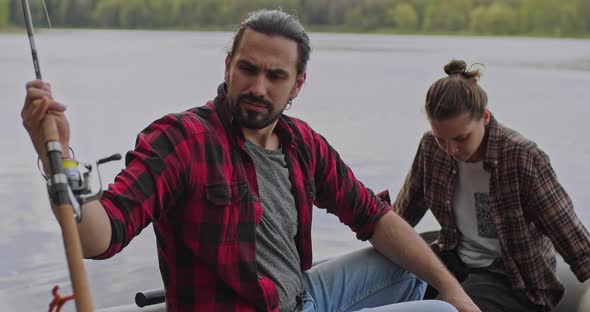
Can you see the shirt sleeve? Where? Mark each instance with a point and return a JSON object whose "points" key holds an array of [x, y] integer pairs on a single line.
{"points": [[556, 218], [410, 203], [342, 194], [154, 177]]}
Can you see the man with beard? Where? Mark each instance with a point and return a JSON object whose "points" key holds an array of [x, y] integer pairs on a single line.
{"points": [[229, 188]]}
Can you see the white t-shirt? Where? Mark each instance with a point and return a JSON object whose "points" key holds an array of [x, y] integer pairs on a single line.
{"points": [[479, 245]]}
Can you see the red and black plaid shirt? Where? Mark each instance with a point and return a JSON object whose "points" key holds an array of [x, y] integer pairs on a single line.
{"points": [[191, 177], [531, 211]]}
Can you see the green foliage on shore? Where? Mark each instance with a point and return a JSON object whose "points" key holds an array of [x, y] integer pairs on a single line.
{"points": [[489, 17]]}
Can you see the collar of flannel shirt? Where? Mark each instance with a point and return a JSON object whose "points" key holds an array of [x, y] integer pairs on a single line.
{"points": [[493, 143]]}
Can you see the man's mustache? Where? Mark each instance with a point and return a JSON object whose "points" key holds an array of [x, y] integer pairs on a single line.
{"points": [[254, 99]]}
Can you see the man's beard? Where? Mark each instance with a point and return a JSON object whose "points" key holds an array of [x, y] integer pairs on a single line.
{"points": [[252, 119]]}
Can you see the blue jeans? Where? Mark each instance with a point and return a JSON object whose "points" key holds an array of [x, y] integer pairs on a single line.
{"points": [[365, 280]]}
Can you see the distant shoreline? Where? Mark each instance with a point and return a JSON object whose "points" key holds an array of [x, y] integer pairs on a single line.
{"points": [[11, 30], [331, 30]]}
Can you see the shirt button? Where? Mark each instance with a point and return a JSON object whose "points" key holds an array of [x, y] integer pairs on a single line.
{"points": [[255, 198], [454, 171], [448, 202]]}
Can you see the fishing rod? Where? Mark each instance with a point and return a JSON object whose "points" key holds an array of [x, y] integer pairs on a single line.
{"points": [[29, 24], [58, 181], [68, 191]]}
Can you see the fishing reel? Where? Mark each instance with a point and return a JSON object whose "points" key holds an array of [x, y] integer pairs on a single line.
{"points": [[79, 190]]}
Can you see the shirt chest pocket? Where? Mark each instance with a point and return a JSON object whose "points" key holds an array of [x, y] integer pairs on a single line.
{"points": [[226, 205]]}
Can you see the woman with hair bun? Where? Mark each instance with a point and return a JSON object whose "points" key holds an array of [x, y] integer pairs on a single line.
{"points": [[500, 205]]}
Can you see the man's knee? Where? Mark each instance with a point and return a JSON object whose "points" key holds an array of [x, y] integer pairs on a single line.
{"points": [[418, 306], [439, 306]]}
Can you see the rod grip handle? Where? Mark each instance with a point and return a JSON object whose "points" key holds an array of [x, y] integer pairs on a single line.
{"points": [[150, 297]]}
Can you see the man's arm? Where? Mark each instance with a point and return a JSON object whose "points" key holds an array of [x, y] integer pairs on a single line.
{"points": [[95, 228], [398, 241]]}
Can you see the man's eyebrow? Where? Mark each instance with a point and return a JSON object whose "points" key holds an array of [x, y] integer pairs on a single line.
{"points": [[273, 71], [278, 71], [246, 62]]}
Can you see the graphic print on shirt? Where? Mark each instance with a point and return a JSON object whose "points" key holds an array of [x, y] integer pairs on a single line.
{"points": [[485, 225]]}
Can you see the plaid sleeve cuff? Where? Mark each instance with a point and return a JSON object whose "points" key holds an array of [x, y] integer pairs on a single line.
{"points": [[581, 267], [117, 232], [366, 232], [384, 196]]}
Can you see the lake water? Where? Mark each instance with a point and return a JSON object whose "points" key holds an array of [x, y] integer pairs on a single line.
{"points": [[364, 93]]}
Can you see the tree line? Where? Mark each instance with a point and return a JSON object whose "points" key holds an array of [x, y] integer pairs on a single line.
{"points": [[495, 17]]}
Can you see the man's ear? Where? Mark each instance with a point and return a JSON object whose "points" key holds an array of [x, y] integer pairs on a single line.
{"points": [[300, 80], [227, 62]]}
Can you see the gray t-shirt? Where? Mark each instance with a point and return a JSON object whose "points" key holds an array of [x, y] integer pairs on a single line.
{"points": [[479, 245], [276, 253]]}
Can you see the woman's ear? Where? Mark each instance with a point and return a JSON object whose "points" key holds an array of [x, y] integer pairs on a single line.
{"points": [[487, 116]]}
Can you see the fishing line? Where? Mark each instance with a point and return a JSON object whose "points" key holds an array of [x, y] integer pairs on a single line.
{"points": [[47, 14]]}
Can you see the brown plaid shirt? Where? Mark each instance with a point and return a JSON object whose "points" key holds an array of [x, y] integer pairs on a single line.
{"points": [[530, 209]]}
